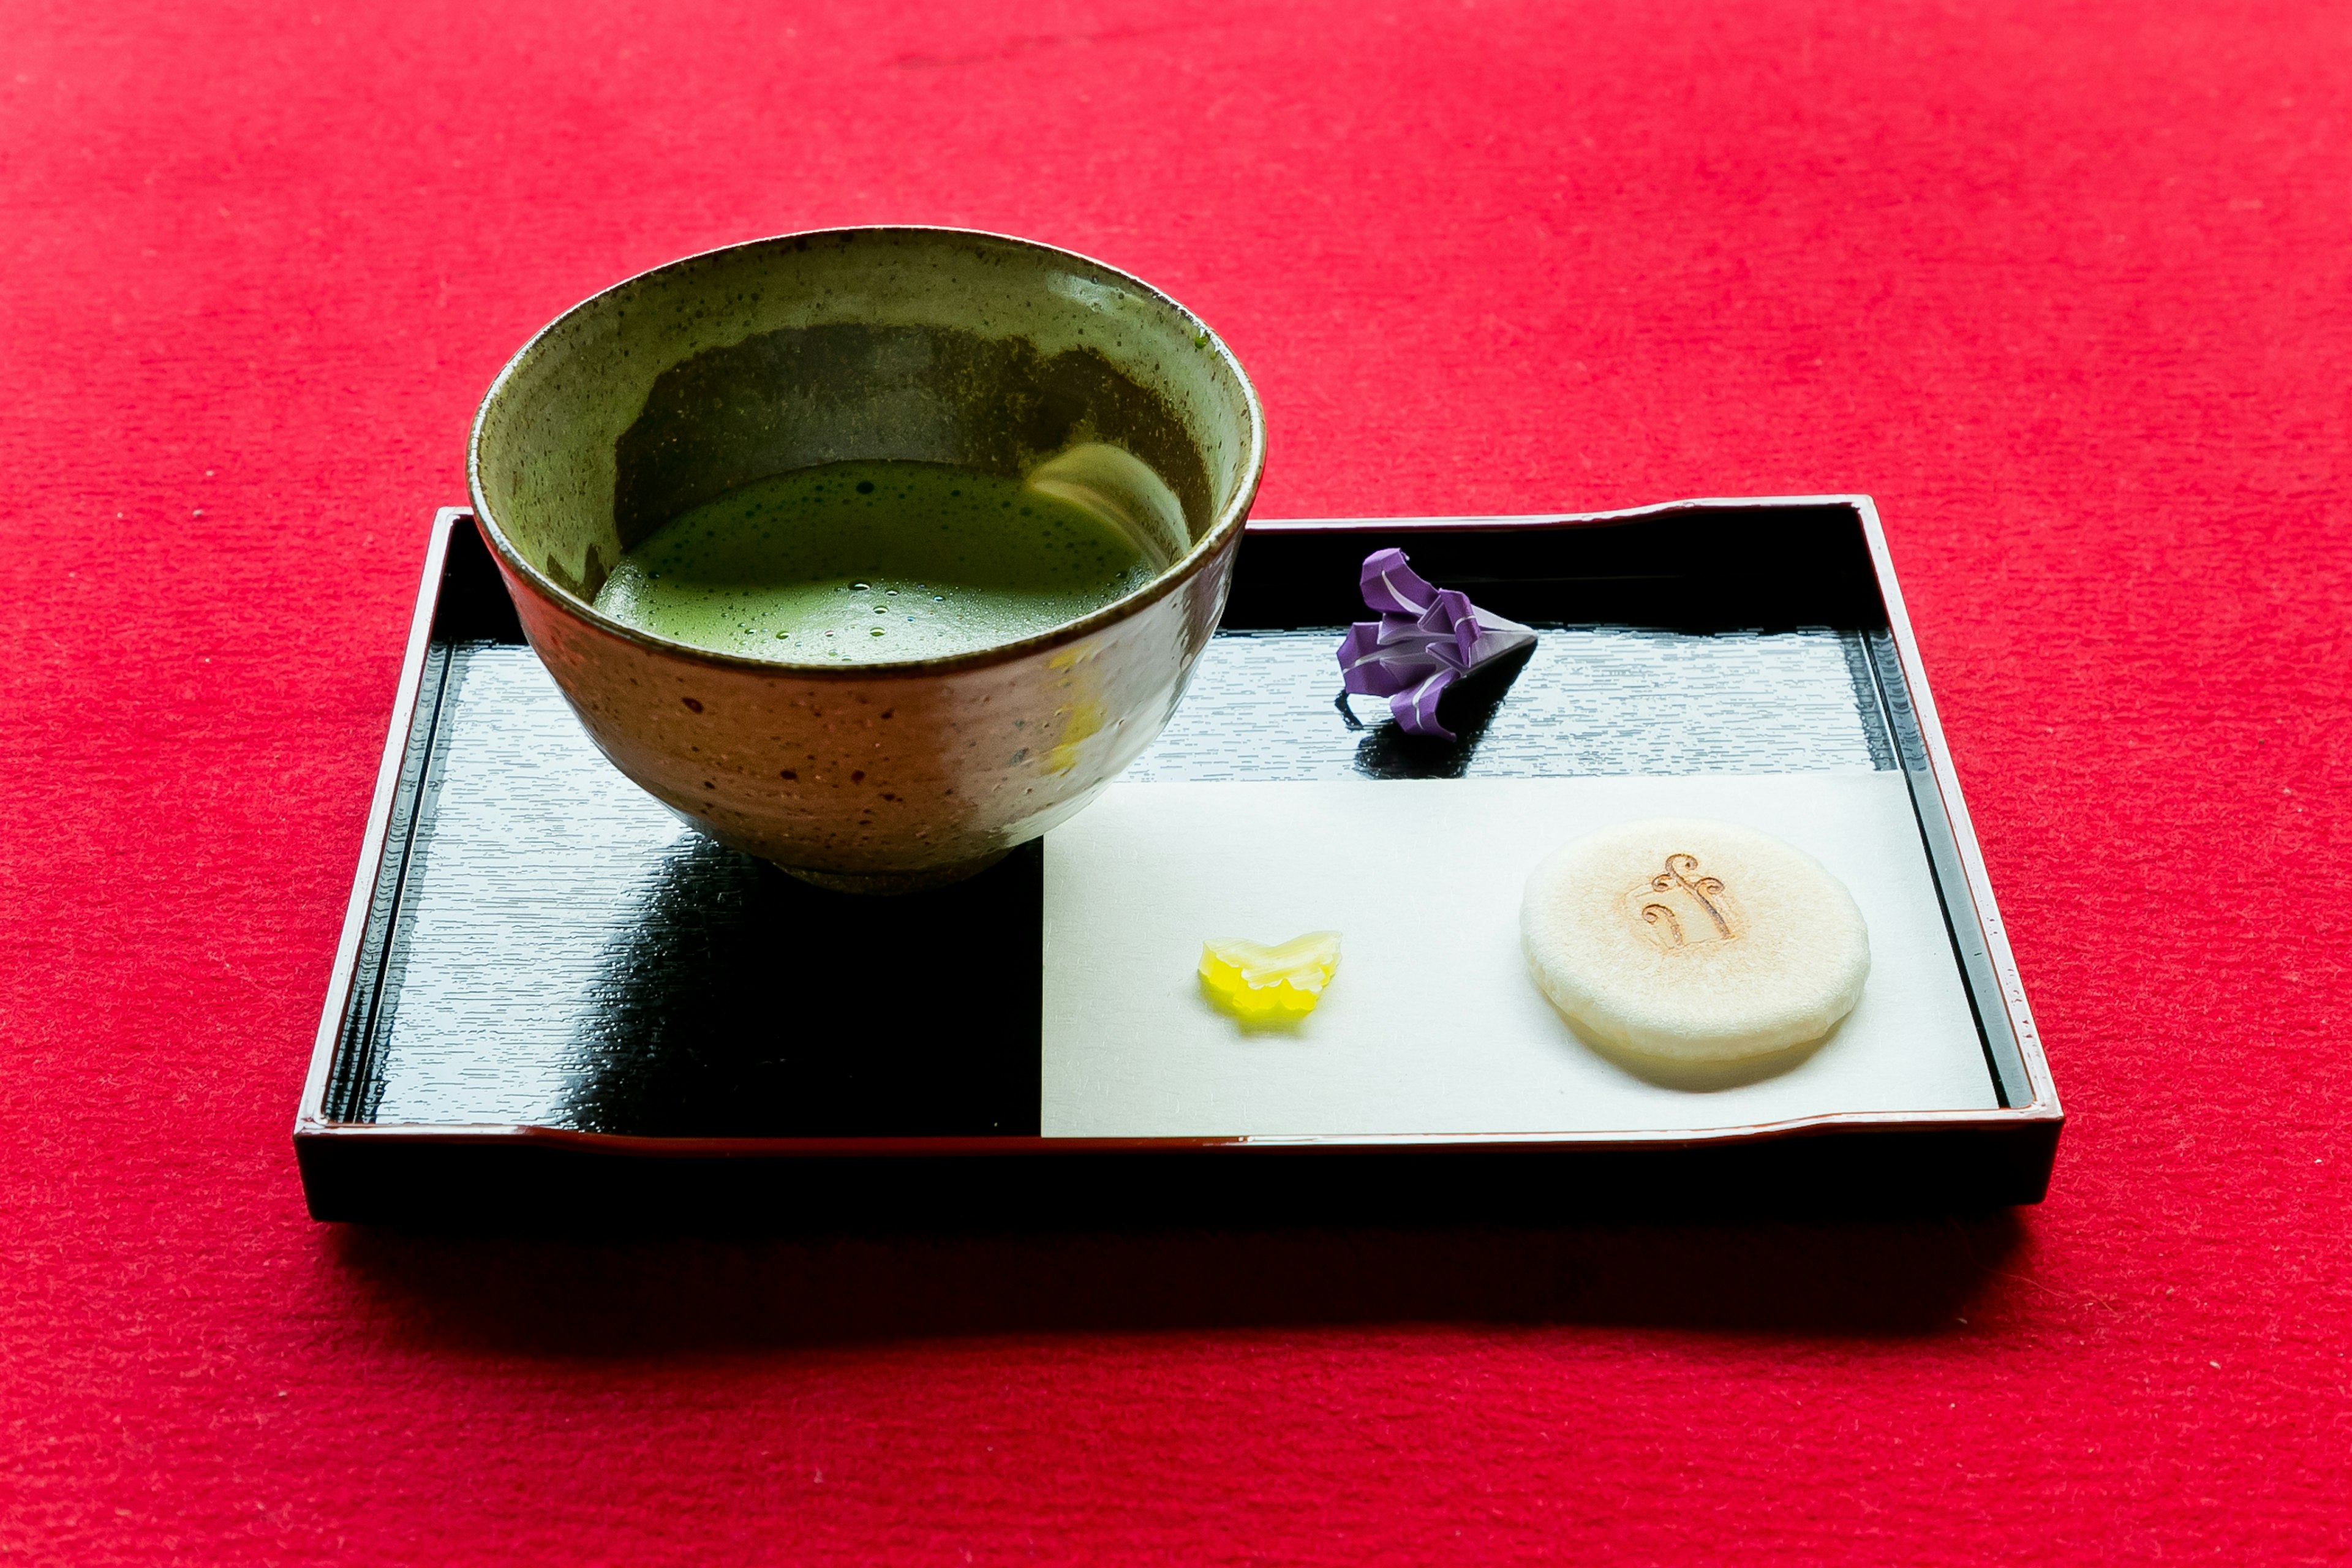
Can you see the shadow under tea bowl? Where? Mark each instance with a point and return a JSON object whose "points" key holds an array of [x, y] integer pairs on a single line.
{"points": [[670, 391]]}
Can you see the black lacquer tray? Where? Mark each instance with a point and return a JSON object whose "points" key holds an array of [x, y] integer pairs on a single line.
{"points": [[553, 1005]]}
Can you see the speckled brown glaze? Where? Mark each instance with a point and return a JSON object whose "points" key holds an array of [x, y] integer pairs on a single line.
{"points": [[937, 345]]}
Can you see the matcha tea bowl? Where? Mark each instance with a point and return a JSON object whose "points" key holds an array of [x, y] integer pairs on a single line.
{"points": [[876, 552]]}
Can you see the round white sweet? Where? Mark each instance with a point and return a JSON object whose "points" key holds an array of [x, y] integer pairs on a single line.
{"points": [[1693, 940]]}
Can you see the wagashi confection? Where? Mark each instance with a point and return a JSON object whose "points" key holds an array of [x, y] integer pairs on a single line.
{"points": [[1693, 940]]}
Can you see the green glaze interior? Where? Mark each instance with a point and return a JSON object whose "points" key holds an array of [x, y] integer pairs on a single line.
{"points": [[938, 345]]}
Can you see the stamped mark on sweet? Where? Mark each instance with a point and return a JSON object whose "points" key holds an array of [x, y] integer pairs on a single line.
{"points": [[1679, 909]]}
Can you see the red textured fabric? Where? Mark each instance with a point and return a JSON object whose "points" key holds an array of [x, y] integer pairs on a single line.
{"points": [[2068, 287]]}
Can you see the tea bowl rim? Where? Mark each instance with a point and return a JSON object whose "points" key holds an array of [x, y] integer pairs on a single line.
{"points": [[1221, 533]]}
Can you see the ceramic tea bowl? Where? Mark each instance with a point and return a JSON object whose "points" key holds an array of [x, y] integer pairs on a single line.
{"points": [[936, 345]]}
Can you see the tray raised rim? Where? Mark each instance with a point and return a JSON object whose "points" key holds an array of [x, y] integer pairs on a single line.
{"points": [[311, 1125]]}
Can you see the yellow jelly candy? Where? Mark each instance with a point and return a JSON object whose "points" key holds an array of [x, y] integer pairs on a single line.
{"points": [[1260, 984]]}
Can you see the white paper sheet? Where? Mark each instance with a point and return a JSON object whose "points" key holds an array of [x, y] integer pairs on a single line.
{"points": [[1433, 1025]]}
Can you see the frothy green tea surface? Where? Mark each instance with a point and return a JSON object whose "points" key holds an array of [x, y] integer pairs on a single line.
{"points": [[871, 561]]}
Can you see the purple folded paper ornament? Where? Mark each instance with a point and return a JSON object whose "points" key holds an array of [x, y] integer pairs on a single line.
{"points": [[1426, 640]]}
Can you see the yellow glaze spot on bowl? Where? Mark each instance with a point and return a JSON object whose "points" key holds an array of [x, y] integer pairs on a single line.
{"points": [[1261, 984]]}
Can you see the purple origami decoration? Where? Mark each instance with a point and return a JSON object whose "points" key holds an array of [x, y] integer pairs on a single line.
{"points": [[1426, 640]]}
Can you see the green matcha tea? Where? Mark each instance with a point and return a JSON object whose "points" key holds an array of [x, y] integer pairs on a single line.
{"points": [[872, 560]]}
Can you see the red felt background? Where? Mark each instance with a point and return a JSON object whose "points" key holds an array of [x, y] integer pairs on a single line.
{"points": [[2067, 286]]}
